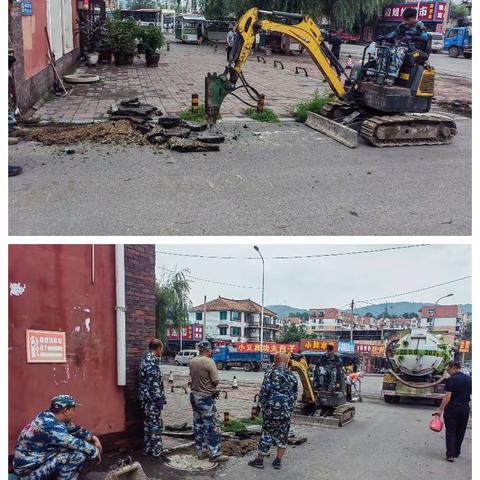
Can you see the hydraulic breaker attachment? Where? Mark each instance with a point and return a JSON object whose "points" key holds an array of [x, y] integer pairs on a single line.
{"points": [[217, 87]]}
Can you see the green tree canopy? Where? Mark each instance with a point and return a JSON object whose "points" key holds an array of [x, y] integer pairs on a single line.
{"points": [[171, 302], [137, 4], [458, 11], [292, 334]]}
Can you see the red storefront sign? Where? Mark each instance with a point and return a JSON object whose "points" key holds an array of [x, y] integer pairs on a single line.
{"points": [[317, 345], [368, 349], [464, 346], [428, 11], [267, 347], [190, 332]]}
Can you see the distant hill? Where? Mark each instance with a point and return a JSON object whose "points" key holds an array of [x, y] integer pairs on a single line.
{"points": [[284, 310], [397, 308]]}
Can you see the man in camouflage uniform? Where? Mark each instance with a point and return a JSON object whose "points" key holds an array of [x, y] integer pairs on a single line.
{"points": [[51, 446], [203, 382], [152, 398], [410, 35], [327, 371], [276, 400]]}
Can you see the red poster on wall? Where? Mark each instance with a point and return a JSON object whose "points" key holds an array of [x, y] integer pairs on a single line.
{"points": [[428, 11], [46, 346]]}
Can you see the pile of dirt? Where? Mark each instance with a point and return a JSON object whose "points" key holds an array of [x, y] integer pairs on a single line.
{"points": [[238, 448], [463, 107], [120, 131]]}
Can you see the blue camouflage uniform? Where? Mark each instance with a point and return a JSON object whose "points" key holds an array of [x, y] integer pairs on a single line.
{"points": [[410, 37], [327, 373], [205, 424], [277, 400], [152, 398], [50, 448]]}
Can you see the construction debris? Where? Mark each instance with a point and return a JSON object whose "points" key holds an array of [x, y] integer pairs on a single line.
{"points": [[238, 448], [190, 145], [293, 440]]}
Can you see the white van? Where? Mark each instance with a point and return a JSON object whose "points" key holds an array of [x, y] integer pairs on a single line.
{"points": [[437, 41], [183, 357]]}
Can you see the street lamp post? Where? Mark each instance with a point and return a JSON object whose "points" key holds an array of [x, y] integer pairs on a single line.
{"points": [[263, 297], [435, 309]]}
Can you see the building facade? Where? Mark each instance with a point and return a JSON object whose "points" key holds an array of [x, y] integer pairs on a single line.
{"points": [[236, 320], [446, 319], [71, 291], [324, 320]]}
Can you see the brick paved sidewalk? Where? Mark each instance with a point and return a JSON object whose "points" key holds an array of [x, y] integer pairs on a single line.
{"points": [[181, 72]]}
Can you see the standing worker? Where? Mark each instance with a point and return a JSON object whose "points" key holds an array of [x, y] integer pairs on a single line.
{"points": [[51, 446], [276, 400], [204, 381], [230, 40], [151, 395], [199, 33], [455, 409]]}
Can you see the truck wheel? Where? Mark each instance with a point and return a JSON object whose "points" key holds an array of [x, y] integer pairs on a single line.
{"points": [[247, 366], [388, 398], [177, 364], [220, 365], [395, 399], [467, 55], [453, 52]]}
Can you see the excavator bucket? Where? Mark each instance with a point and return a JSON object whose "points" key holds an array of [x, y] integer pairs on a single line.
{"points": [[127, 470], [341, 133]]}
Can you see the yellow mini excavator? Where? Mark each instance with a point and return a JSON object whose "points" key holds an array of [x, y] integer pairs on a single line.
{"points": [[320, 404], [383, 115]]}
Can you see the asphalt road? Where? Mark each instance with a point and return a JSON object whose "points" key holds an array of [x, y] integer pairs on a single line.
{"points": [[444, 65], [392, 442], [268, 179]]}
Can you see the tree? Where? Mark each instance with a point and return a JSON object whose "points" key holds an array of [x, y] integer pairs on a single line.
{"points": [[171, 306], [458, 11], [292, 334], [138, 4]]}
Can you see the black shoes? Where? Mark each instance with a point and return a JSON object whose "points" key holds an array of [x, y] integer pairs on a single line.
{"points": [[277, 464], [450, 459], [256, 462]]}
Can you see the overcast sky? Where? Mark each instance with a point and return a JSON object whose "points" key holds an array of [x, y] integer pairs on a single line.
{"points": [[323, 282]]}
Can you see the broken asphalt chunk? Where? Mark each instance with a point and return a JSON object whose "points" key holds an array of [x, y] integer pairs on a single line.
{"points": [[210, 138], [194, 127], [182, 132], [191, 145], [169, 122], [157, 138]]}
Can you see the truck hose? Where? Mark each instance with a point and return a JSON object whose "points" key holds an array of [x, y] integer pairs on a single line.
{"points": [[417, 384]]}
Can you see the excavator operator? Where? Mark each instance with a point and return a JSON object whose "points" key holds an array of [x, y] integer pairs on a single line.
{"points": [[411, 35]]}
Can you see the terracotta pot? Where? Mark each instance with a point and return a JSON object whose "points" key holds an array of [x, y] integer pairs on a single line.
{"points": [[105, 57]]}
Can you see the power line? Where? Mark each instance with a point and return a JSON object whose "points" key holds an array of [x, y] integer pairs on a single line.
{"points": [[193, 277], [292, 257], [369, 302]]}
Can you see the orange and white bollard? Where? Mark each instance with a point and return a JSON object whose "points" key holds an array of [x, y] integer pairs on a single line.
{"points": [[170, 377], [235, 384]]}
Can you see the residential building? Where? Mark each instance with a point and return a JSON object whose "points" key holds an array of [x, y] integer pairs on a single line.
{"points": [[324, 320], [236, 320], [446, 319], [32, 27]]}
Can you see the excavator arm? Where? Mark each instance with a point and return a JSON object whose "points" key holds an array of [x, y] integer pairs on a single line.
{"points": [[305, 32], [297, 363]]}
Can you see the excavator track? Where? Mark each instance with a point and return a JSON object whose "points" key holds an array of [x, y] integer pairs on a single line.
{"points": [[409, 129]]}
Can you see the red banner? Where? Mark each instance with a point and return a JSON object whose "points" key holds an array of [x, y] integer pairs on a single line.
{"points": [[317, 345], [368, 349], [267, 347], [190, 332], [428, 11]]}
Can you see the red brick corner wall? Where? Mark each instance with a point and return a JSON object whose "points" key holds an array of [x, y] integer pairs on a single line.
{"points": [[140, 321]]}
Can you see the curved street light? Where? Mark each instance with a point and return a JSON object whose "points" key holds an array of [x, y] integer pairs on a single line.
{"points": [[435, 308], [263, 296]]}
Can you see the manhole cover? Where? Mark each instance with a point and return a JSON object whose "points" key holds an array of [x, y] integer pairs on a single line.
{"points": [[189, 462]]}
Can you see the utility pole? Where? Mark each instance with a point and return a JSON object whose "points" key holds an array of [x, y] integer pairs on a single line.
{"points": [[383, 321], [446, 14], [204, 336], [263, 297], [351, 324]]}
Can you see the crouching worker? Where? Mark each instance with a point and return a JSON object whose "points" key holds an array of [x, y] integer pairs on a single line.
{"points": [[276, 400], [51, 446]]}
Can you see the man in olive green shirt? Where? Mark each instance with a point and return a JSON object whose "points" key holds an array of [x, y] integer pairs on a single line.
{"points": [[204, 381]]}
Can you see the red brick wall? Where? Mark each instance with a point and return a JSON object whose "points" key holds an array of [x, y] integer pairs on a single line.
{"points": [[140, 303]]}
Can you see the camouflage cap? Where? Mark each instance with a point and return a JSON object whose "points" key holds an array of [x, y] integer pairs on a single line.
{"points": [[204, 346], [63, 401]]}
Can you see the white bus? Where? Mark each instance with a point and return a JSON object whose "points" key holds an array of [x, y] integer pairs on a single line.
{"points": [[161, 18]]}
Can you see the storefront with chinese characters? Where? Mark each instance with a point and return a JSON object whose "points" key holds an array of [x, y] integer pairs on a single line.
{"points": [[372, 354], [432, 14]]}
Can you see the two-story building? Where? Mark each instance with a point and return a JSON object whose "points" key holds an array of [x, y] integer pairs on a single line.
{"points": [[324, 320], [236, 320], [446, 319]]}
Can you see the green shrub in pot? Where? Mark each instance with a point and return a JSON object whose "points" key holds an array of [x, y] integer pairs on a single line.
{"points": [[121, 38], [152, 39]]}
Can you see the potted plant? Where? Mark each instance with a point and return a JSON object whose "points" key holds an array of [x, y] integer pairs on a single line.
{"points": [[121, 38], [92, 32], [152, 40]]}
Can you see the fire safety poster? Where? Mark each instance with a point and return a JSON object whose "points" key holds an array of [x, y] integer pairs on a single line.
{"points": [[46, 346]]}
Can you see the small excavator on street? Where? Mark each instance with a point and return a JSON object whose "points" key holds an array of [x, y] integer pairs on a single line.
{"points": [[322, 405], [383, 115]]}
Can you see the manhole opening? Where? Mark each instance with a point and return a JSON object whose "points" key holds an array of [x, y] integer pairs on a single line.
{"points": [[189, 462]]}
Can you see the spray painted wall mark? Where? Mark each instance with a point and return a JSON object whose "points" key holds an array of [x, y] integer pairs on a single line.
{"points": [[87, 324], [77, 329], [17, 289]]}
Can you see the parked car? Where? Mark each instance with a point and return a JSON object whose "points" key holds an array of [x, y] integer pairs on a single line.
{"points": [[183, 357], [437, 41]]}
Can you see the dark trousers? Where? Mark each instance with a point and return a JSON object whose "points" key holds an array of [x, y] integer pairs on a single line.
{"points": [[229, 49], [456, 420]]}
